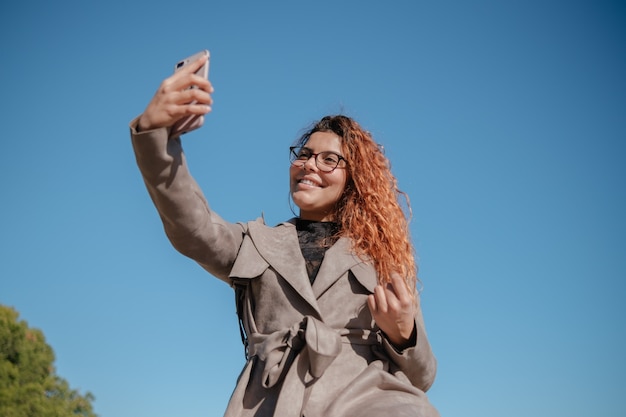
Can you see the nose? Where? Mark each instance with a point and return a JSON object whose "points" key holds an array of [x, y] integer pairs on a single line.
{"points": [[310, 164]]}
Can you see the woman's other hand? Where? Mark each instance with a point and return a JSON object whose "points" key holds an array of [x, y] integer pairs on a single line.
{"points": [[394, 308], [171, 101]]}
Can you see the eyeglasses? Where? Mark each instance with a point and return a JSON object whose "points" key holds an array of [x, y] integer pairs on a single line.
{"points": [[326, 161]]}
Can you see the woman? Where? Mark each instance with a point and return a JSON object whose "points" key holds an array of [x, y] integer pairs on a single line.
{"points": [[327, 302]]}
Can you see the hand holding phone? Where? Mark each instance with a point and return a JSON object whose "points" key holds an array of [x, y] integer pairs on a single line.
{"points": [[192, 122], [170, 106]]}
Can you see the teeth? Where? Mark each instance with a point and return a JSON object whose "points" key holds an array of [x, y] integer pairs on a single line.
{"points": [[308, 182]]}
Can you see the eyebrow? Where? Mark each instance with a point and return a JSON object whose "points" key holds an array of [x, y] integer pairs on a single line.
{"points": [[311, 150]]}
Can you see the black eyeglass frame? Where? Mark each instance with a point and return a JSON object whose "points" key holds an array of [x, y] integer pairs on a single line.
{"points": [[295, 158]]}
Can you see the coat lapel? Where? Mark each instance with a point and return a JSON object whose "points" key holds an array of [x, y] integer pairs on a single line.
{"points": [[337, 261], [280, 248]]}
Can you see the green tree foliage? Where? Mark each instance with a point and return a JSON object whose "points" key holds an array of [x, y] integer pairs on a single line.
{"points": [[29, 386]]}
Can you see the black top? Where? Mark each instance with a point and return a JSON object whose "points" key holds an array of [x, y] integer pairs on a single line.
{"points": [[315, 238]]}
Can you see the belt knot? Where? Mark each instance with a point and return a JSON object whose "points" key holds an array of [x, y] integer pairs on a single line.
{"points": [[280, 349]]}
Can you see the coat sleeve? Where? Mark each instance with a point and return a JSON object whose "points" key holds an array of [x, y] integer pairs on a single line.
{"points": [[191, 226], [417, 362]]}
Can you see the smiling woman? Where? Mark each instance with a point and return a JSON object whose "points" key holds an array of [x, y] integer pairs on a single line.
{"points": [[327, 301], [317, 181]]}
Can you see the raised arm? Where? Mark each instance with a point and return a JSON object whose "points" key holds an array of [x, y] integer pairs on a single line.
{"points": [[192, 227]]}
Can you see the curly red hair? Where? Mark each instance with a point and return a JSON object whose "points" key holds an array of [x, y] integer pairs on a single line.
{"points": [[369, 211]]}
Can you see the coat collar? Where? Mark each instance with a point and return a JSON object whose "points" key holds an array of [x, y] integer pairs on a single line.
{"points": [[280, 248], [338, 260]]}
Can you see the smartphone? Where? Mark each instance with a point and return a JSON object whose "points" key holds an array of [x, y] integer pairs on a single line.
{"points": [[189, 123]]}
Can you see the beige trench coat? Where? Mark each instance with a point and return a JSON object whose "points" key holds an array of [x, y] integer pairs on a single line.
{"points": [[314, 350]]}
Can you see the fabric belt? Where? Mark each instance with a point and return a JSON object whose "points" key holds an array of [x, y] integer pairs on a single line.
{"points": [[301, 353]]}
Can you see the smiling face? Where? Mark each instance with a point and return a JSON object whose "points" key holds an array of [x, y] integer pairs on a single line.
{"points": [[313, 191]]}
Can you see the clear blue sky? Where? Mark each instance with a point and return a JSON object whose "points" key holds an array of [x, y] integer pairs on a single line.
{"points": [[505, 122]]}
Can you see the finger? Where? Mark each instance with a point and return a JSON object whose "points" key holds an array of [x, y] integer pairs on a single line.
{"points": [[202, 83], [371, 303], [187, 77], [400, 288], [181, 110], [391, 298], [193, 66], [381, 299], [178, 112], [188, 82], [198, 109], [192, 95]]}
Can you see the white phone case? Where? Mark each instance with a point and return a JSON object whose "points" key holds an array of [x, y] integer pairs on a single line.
{"points": [[189, 123]]}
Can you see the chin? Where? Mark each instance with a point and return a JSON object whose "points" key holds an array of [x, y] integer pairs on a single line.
{"points": [[299, 201]]}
